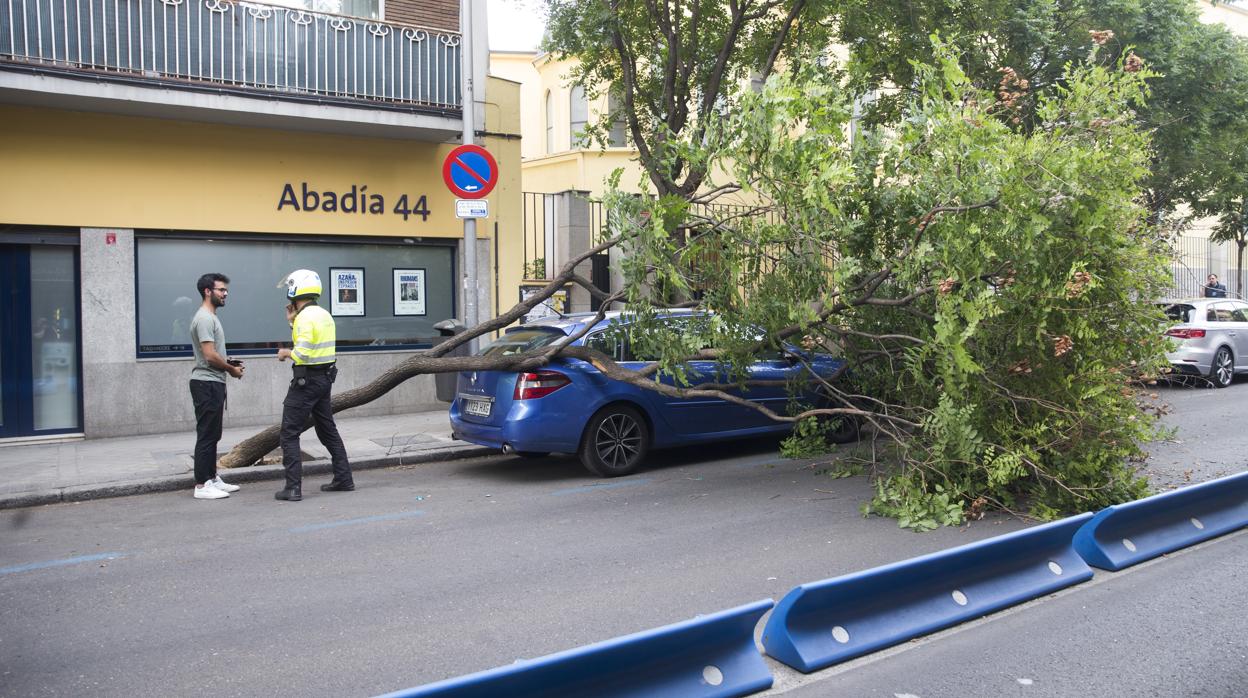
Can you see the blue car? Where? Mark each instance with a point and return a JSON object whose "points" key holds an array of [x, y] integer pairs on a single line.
{"points": [[571, 407]]}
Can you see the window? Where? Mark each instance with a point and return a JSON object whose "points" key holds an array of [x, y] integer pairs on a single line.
{"points": [[366, 9], [1219, 312], [1178, 312], [168, 267], [522, 340], [618, 136], [550, 122], [578, 117], [605, 341]]}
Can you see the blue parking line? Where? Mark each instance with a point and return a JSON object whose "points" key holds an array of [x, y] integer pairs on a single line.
{"points": [[602, 486], [352, 522], [60, 563]]}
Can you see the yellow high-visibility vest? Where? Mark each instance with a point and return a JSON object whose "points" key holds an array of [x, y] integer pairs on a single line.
{"points": [[314, 336]]}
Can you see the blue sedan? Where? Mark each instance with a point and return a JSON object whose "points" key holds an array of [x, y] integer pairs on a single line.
{"points": [[571, 407]]}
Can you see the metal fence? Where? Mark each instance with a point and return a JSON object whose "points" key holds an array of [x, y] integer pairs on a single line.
{"points": [[544, 215], [249, 45], [1194, 258]]}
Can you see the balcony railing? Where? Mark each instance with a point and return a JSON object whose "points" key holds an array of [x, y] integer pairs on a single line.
{"points": [[247, 45]]}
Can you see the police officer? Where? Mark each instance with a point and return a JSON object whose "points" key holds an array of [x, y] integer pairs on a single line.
{"points": [[313, 333]]}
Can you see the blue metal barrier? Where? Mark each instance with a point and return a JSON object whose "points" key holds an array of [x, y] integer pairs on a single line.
{"points": [[1126, 534], [819, 624], [710, 656]]}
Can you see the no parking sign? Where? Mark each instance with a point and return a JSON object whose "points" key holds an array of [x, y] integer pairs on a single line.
{"points": [[470, 172]]}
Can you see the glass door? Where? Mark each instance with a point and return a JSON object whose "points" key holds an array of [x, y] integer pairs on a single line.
{"points": [[40, 371]]}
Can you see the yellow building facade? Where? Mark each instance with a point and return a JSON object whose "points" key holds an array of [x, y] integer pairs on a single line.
{"points": [[124, 180]]}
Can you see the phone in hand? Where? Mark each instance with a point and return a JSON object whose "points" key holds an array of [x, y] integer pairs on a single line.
{"points": [[234, 362]]}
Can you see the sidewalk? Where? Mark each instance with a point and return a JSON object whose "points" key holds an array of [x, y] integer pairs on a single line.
{"points": [[72, 471]]}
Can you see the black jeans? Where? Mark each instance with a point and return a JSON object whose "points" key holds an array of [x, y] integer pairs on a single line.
{"points": [[209, 400], [311, 399]]}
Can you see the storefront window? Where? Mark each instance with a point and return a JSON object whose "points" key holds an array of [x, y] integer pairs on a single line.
{"points": [[384, 296]]}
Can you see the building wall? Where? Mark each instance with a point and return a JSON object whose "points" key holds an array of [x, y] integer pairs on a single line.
{"points": [[436, 14], [1233, 14], [108, 176]]}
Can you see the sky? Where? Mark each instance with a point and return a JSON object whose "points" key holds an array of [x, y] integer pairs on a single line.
{"points": [[515, 25]]}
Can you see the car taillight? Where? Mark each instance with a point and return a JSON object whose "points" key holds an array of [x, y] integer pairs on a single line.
{"points": [[530, 386], [1185, 333]]}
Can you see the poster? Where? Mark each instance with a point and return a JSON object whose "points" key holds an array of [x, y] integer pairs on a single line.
{"points": [[346, 291], [409, 291], [557, 304]]}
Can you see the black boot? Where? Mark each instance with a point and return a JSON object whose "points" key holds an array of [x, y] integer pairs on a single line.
{"points": [[338, 487], [291, 494]]}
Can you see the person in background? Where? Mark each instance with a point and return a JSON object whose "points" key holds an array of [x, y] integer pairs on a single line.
{"points": [[1214, 288], [208, 384], [314, 336]]}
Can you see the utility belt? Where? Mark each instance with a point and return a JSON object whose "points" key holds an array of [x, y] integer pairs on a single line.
{"points": [[301, 372]]}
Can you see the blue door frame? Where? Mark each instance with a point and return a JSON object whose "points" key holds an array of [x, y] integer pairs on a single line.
{"points": [[17, 379]]}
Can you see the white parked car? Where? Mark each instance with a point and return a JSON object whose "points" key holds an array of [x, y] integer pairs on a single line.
{"points": [[1211, 338]]}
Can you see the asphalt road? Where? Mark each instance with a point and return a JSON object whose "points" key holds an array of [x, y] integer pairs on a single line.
{"points": [[438, 570]]}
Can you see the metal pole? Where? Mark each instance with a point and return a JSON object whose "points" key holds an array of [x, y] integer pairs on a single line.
{"points": [[470, 224]]}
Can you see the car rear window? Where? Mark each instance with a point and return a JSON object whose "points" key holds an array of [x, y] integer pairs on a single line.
{"points": [[521, 340], [1179, 312]]}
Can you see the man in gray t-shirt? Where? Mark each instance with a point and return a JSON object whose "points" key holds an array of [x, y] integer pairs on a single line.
{"points": [[206, 327], [208, 384]]}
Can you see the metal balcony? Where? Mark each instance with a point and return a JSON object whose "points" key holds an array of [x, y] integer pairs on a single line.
{"points": [[270, 50]]}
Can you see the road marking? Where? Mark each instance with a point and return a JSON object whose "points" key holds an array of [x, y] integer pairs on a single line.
{"points": [[352, 522], [602, 486], [60, 563]]}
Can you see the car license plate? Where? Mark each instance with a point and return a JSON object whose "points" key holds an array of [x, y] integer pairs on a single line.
{"points": [[478, 408]]}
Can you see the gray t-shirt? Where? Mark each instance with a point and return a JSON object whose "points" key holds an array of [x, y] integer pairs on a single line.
{"points": [[205, 327]]}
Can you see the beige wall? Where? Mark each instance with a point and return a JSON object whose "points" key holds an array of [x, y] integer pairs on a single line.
{"points": [[1235, 17]]}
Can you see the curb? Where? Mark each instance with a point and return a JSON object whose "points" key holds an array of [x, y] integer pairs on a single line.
{"points": [[258, 473]]}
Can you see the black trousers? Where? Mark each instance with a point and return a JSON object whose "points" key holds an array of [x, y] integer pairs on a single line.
{"points": [[311, 400], [209, 400]]}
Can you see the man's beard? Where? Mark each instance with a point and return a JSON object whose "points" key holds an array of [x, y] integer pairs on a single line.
{"points": [[217, 302]]}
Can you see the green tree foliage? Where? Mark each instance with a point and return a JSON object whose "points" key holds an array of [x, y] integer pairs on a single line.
{"points": [[1198, 93], [989, 285], [1225, 152], [676, 65]]}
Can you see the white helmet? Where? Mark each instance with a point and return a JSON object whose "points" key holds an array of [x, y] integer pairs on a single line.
{"points": [[301, 283]]}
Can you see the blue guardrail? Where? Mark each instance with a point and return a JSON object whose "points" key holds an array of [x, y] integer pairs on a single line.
{"points": [[1127, 534], [711, 656], [820, 624]]}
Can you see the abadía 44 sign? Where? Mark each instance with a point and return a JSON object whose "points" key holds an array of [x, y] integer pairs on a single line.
{"points": [[357, 200]]}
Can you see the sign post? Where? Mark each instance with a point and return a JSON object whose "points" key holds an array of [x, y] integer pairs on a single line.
{"points": [[470, 172], [468, 115]]}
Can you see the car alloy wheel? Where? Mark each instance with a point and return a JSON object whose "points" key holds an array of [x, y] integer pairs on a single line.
{"points": [[615, 442], [1223, 369]]}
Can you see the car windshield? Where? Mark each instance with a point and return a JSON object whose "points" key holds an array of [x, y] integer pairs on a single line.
{"points": [[522, 340], [1179, 312]]}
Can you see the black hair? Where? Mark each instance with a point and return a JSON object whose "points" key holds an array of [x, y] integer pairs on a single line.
{"points": [[208, 281]]}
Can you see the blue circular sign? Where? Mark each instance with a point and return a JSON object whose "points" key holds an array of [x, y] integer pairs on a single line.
{"points": [[470, 172]]}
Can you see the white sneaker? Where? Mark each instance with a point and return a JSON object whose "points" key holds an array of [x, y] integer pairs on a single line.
{"points": [[207, 491], [222, 485]]}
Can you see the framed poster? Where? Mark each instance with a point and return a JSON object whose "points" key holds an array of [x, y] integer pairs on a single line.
{"points": [[409, 291], [346, 291], [557, 304]]}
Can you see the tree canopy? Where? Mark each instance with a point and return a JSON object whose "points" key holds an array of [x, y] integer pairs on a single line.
{"points": [[982, 253]]}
